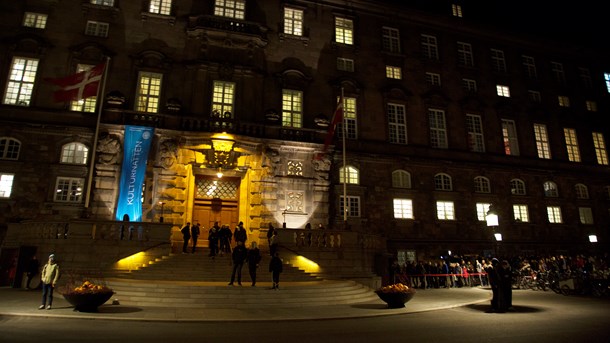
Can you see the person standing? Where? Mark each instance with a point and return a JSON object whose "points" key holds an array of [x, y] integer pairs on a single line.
{"points": [[240, 234], [213, 240], [505, 285], [32, 270], [240, 253], [276, 268], [270, 232], [195, 231], [49, 277], [186, 236], [225, 239], [493, 279], [254, 258]]}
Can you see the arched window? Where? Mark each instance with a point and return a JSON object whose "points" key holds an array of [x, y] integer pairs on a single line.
{"points": [[9, 148], [482, 185], [582, 192], [401, 179], [353, 175], [550, 189], [74, 153], [442, 182], [517, 187]]}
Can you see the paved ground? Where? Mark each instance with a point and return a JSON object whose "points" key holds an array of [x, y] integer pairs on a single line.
{"points": [[20, 302]]}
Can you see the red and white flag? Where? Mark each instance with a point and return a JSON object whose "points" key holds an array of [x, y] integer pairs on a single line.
{"points": [[80, 85], [337, 118]]}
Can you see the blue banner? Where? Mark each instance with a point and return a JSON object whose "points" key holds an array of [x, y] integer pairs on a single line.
{"points": [[135, 154]]}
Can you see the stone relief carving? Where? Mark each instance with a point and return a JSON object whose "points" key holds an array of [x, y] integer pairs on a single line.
{"points": [[322, 164], [168, 153], [108, 149]]}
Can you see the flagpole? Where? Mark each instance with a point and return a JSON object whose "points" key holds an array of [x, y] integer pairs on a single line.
{"points": [[99, 102], [345, 207]]}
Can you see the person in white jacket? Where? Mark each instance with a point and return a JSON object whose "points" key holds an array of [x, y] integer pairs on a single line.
{"points": [[49, 277]]}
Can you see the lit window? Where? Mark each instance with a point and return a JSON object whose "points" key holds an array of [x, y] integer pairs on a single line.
{"points": [[557, 70], [6, 185], [498, 62], [344, 31], [230, 8], [390, 39], [607, 79], [465, 57], [349, 119], [600, 148], [293, 21], [163, 7], [393, 72], [542, 141], [503, 91], [469, 85], [442, 182], [83, 105], [509, 134], [438, 128], [429, 47], [69, 189], [534, 96], [529, 66], [21, 81], [582, 192], [403, 208], [292, 108], [591, 105], [586, 215], [353, 175], [571, 144], [517, 187], [401, 179], [474, 126], [554, 214], [456, 10], [482, 209], [550, 189], [445, 210], [74, 153], [35, 20], [397, 123], [9, 148], [345, 64], [353, 206], [433, 79], [96, 28], [520, 212], [103, 2], [222, 99], [563, 101], [149, 92], [482, 185]]}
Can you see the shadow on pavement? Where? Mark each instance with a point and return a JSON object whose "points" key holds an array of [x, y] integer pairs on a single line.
{"points": [[118, 309], [516, 309]]}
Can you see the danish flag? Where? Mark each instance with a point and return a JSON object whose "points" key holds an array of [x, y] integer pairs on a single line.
{"points": [[80, 85], [337, 118]]}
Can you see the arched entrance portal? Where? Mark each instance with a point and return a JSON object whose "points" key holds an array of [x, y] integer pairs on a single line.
{"points": [[216, 200]]}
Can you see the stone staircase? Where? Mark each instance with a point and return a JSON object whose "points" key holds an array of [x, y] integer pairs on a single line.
{"points": [[198, 281]]}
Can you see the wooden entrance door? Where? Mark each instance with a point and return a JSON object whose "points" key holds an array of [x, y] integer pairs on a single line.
{"points": [[216, 200]]}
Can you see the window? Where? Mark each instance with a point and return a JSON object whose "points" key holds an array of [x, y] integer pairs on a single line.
{"points": [[582, 192], [534, 96], [292, 108], [293, 21], [74, 153], [353, 206], [554, 214], [442, 182], [349, 119], [344, 31], [456, 10], [469, 85], [591, 105], [345, 64], [9, 148], [529, 66], [586, 215], [445, 210], [397, 122], [21, 81], [222, 99], [585, 77], [563, 101], [517, 187], [600, 148], [520, 213], [438, 128], [498, 63], [474, 126], [149, 91], [403, 208], [353, 175], [401, 179], [97, 29], [572, 144], [550, 189], [482, 185], [103, 2], [163, 7], [230, 8], [83, 105], [503, 91], [429, 47], [69, 189], [509, 134], [433, 79], [482, 209], [465, 57], [6, 185], [607, 79], [542, 141], [390, 39], [558, 73], [35, 20], [393, 72]]}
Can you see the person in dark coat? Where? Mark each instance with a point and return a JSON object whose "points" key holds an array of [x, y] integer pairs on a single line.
{"points": [[254, 257], [213, 236], [505, 285], [195, 231], [32, 269], [494, 282], [225, 239], [240, 234], [186, 236], [240, 253], [275, 267]]}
